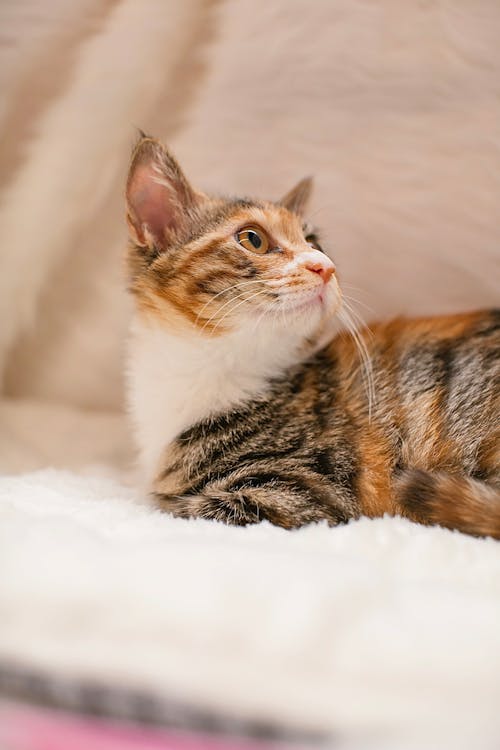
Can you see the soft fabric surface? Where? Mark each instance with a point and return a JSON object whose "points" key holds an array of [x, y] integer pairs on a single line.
{"points": [[377, 628]]}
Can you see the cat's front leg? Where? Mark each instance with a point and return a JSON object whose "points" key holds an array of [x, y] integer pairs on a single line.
{"points": [[254, 501], [238, 508]]}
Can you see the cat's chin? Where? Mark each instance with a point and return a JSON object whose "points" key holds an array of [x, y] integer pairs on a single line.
{"points": [[311, 309], [299, 323], [311, 306]]}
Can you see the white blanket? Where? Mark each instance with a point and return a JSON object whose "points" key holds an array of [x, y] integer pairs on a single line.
{"points": [[376, 629]]}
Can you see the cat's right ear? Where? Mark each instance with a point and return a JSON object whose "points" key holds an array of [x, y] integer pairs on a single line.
{"points": [[159, 197], [297, 199]]}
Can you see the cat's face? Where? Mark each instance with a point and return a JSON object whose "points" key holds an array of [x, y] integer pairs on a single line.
{"points": [[215, 265]]}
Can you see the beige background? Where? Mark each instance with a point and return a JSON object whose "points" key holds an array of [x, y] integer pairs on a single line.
{"points": [[394, 106]]}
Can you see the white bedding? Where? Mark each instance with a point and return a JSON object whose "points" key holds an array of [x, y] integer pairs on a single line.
{"points": [[379, 629]]}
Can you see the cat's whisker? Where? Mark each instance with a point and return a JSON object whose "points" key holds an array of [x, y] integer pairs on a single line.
{"points": [[219, 309], [232, 310], [224, 291], [353, 313], [357, 302], [357, 319], [345, 316], [368, 370], [351, 330], [353, 287], [283, 316], [258, 320], [284, 280], [265, 312]]}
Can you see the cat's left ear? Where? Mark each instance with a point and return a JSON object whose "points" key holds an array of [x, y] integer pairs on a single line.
{"points": [[160, 199], [297, 199]]}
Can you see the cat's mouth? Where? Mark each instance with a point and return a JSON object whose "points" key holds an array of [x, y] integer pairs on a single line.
{"points": [[318, 299]]}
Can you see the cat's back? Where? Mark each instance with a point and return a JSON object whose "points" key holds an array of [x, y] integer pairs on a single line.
{"points": [[453, 353], [408, 357], [480, 326], [438, 380]]}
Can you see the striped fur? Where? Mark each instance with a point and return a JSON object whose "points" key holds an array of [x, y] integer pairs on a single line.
{"points": [[243, 416]]}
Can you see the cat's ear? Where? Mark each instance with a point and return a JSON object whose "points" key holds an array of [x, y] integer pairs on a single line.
{"points": [[159, 197], [297, 198]]}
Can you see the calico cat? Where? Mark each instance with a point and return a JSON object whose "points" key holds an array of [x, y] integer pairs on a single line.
{"points": [[247, 405]]}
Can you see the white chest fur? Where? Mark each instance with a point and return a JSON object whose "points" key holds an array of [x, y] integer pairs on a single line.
{"points": [[175, 381]]}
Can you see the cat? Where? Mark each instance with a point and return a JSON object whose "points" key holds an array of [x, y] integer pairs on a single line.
{"points": [[249, 405]]}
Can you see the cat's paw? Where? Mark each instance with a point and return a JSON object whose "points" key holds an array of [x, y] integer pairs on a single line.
{"points": [[229, 508]]}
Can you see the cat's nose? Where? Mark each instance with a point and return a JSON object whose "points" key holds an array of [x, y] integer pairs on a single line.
{"points": [[322, 266]]}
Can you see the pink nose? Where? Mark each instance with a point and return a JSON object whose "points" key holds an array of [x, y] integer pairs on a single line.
{"points": [[323, 268]]}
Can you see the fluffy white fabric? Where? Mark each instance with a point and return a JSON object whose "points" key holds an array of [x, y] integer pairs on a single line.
{"points": [[378, 629]]}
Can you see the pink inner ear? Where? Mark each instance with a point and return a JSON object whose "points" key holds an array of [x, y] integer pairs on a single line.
{"points": [[152, 205]]}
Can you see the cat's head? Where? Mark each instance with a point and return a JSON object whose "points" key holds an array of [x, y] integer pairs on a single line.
{"points": [[215, 265]]}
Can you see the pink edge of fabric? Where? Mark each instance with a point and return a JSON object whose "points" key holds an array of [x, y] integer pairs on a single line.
{"points": [[27, 728]]}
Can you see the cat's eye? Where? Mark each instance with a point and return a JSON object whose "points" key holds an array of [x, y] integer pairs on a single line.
{"points": [[254, 239], [312, 240]]}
